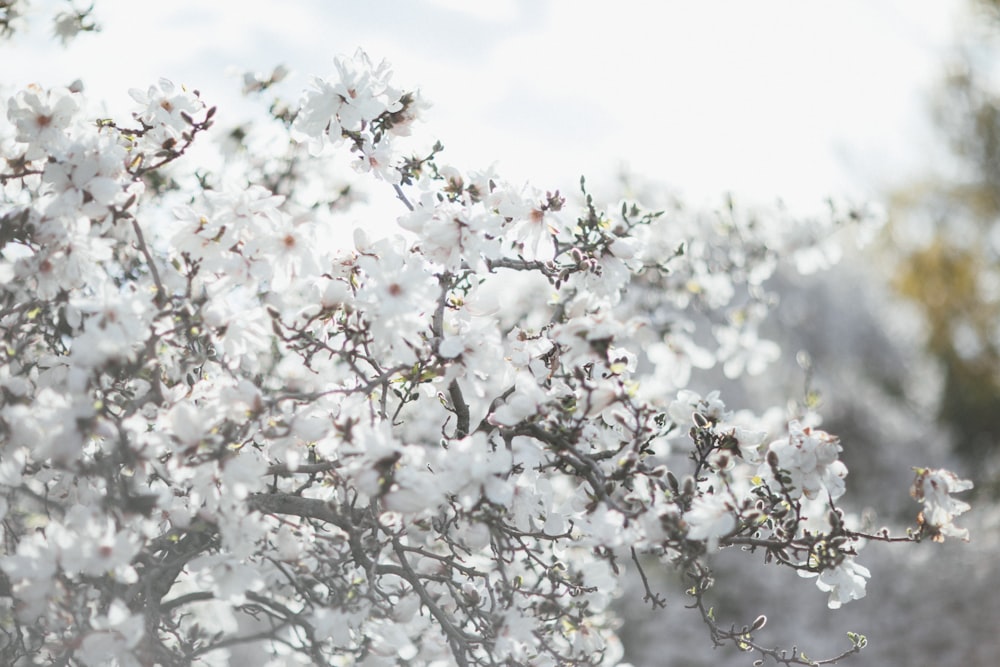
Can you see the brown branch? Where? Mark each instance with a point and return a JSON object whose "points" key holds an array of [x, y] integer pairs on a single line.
{"points": [[653, 598], [461, 410], [161, 294], [307, 508], [302, 469]]}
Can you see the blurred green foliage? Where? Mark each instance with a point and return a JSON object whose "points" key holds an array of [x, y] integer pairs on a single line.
{"points": [[951, 270]]}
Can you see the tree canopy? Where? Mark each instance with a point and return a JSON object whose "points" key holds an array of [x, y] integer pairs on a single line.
{"points": [[439, 445]]}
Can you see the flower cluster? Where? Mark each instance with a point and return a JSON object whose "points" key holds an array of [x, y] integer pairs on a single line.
{"points": [[808, 458], [933, 488], [361, 107], [437, 447]]}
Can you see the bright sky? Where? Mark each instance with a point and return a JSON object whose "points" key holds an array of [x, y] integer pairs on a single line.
{"points": [[767, 98]]}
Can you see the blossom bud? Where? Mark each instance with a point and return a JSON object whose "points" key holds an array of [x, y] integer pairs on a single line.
{"points": [[721, 460], [772, 459], [672, 481], [688, 485], [628, 460], [759, 623]]}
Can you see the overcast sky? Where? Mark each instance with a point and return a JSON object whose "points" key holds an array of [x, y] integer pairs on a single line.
{"points": [[794, 98]]}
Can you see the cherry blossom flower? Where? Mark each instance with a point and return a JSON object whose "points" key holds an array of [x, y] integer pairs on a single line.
{"points": [[31, 570], [48, 426], [749, 441], [741, 350], [349, 103], [162, 110], [811, 458], [89, 179], [117, 322], [378, 159], [227, 577], [933, 487], [845, 582], [113, 637], [42, 119], [397, 287], [682, 409], [710, 518], [676, 356]]}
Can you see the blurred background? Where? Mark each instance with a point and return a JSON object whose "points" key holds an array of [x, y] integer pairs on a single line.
{"points": [[892, 101]]}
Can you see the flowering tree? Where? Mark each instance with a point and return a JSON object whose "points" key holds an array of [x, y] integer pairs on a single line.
{"points": [[440, 446]]}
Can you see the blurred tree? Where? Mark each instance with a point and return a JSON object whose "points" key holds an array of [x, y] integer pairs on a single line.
{"points": [[946, 232]]}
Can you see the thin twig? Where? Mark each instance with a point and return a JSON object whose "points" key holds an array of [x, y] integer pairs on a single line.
{"points": [[402, 196], [653, 598], [161, 294]]}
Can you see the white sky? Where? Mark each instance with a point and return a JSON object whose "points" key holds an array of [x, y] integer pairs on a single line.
{"points": [[794, 98]]}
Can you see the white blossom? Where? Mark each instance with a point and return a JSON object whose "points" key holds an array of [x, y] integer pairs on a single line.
{"points": [[933, 488], [710, 518], [435, 447], [811, 458], [845, 582]]}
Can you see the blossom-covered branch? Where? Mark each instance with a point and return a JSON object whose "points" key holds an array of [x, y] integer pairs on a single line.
{"points": [[440, 445]]}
